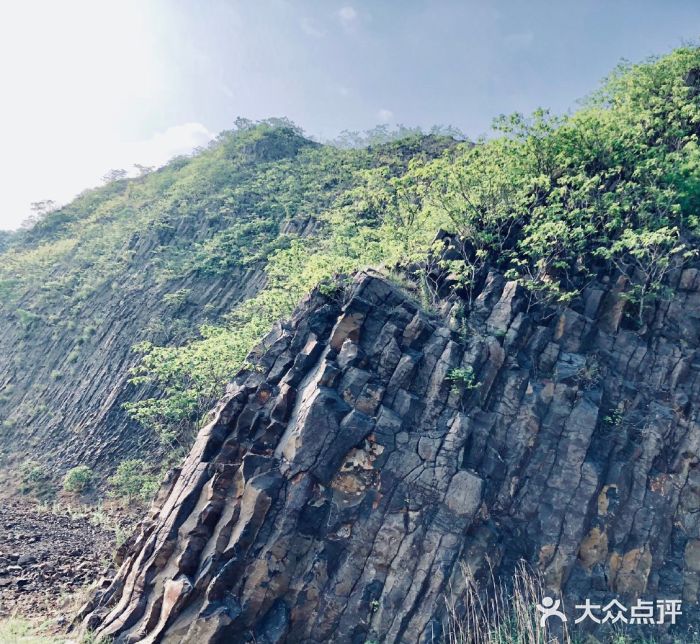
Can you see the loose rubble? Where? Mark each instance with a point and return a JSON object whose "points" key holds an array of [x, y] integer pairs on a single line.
{"points": [[47, 557]]}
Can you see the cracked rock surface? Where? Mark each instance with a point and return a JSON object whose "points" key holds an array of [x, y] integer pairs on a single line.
{"points": [[344, 479]]}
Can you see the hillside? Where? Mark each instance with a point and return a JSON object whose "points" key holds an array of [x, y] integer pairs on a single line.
{"points": [[154, 259], [526, 394], [493, 362]]}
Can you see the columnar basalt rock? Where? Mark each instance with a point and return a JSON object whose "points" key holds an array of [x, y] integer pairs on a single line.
{"points": [[344, 479], [86, 422]]}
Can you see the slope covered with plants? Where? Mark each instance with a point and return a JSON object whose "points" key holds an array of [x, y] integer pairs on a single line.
{"points": [[191, 264], [160, 259], [552, 202], [393, 457]]}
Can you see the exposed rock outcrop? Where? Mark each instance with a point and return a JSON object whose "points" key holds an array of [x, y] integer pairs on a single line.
{"points": [[62, 400], [343, 478], [170, 263]]}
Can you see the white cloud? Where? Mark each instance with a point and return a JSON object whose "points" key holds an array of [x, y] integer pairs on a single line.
{"points": [[67, 114], [163, 146], [79, 160], [310, 28], [385, 116], [348, 15]]}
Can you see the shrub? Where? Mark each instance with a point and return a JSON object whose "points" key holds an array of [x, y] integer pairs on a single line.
{"points": [[132, 480], [78, 479], [34, 479], [615, 417], [26, 318], [178, 297], [462, 378]]}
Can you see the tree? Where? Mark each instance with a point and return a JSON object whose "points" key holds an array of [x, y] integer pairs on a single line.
{"points": [[114, 175], [143, 170], [40, 209], [647, 256], [43, 207]]}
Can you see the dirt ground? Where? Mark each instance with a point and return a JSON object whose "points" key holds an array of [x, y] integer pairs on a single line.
{"points": [[50, 555]]}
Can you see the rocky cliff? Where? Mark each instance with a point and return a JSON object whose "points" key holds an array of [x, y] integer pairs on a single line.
{"points": [[373, 448], [151, 259]]}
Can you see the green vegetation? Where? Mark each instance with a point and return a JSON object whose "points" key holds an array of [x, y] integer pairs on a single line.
{"points": [[78, 479], [14, 630], [552, 202], [206, 214], [462, 378], [134, 479], [615, 417], [383, 134], [157, 240], [192, 376], [19, 631], [34, 479]]}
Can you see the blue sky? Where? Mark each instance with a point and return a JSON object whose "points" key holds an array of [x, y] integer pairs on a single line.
{"points": [[90, 86]]}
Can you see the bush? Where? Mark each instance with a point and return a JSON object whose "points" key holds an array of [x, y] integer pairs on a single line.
{"points": [[78, 479], [132, 480], [462, 378], [34, 479], [26, 318]]}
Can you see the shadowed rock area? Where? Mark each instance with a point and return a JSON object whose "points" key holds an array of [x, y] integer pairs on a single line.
{"points": [[346, 477]]}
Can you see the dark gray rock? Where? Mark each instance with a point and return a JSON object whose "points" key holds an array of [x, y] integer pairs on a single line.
{"points": [[342, 506]]}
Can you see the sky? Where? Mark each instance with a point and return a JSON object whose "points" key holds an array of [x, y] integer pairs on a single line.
{"points": [[89, 86]]}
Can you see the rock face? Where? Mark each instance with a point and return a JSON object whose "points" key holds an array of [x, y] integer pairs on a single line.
{"points": [[345, 478], [62, 402]]}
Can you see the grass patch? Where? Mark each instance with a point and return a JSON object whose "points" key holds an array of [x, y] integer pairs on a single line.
{"points": [[20, 631]]}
